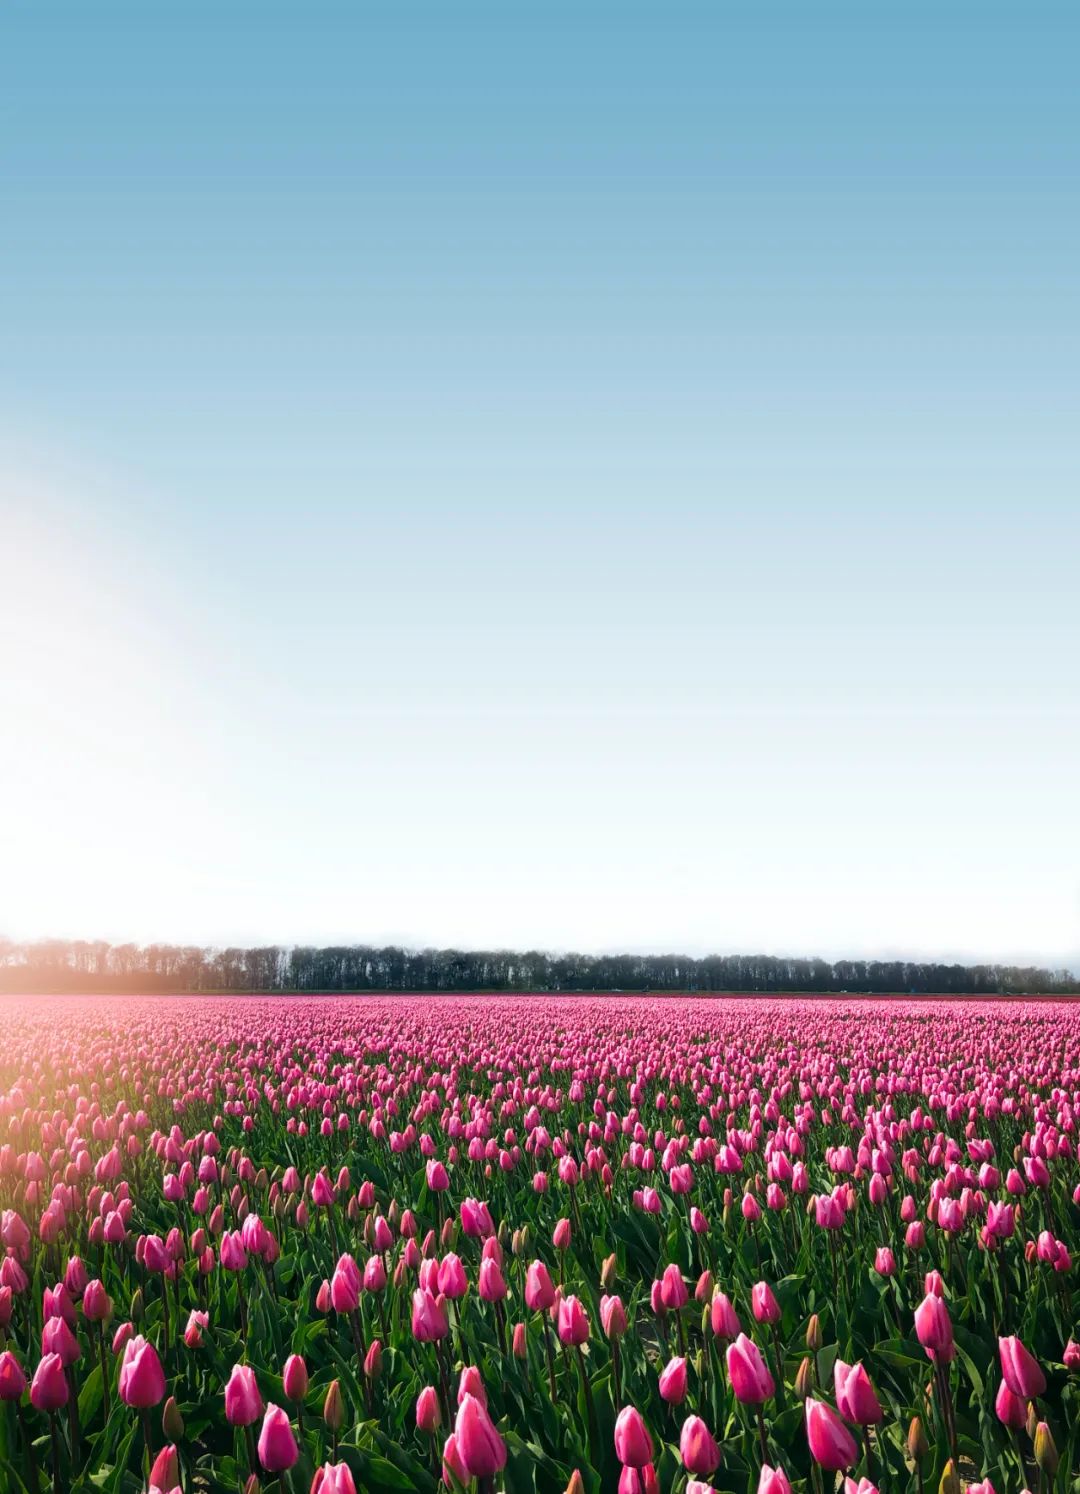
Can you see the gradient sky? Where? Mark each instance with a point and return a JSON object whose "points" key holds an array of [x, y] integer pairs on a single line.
{"points": [[596, 476]]}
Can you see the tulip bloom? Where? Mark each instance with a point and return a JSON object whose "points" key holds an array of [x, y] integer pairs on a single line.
{"points": [[765, 1307], [613, 1316], [452, 1280], [539, 1288], [142, 1379], [492, 1287], [933, 1328], [165, 1470], [855, 1395], [428, 1414], [573, 1322], [673, 1289], [633, 1445], [277, 1445], [1020, 1369], [196, 1324], [471, 1383], [673, 1381], [12, 1378], [831, 1444], [773, 1481], [750, 1377], [333, 1478], [96, 1304], [697, 1447], [723, 1319], [429, 1319], [49, 1387], [243, 1403], [884, 1261], [1010, 1409], [481, 1449], [294, 1378]]}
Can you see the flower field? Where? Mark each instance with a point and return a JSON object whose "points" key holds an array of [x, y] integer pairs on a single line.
{"points": [[538, 1244]]}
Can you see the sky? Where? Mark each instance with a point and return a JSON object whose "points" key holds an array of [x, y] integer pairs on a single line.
{"points": [[587, 476]]}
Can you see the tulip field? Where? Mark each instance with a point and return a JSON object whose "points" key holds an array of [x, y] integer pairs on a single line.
{"points": [[538, 1244]]}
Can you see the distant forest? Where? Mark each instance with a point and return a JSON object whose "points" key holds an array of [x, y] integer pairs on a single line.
{"points": [[79, 965]]}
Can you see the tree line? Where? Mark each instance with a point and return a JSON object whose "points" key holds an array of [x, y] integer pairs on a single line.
{"points": [[93, 965]]}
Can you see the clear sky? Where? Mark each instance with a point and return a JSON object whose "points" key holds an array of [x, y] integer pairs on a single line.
{"points": [[597, 476]]}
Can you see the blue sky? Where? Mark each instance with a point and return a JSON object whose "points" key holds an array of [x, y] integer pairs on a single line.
{"points": [[597, 476]]}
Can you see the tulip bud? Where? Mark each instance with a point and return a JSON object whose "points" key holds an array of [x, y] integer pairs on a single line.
{"points": [[172, 1422], [804, 1379], [607, 1278], [950, 1480], [137, 1305], [917, 1444], [814, 1338], [576, 1484], [1032, 1420], [252, 1485], [334, 1407], [1046, 1453]]}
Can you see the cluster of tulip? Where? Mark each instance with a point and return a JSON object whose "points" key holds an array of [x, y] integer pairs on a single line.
{"points": [[576, 1244]]}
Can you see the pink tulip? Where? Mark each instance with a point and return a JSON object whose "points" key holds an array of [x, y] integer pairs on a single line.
{"points": [[294, 1378], [142, 1380], [765, 1307], [855, 1395], [49, 1387], [539, 1289], [452, 1280], [573, 1322], [454, 1469], [1011, 1410], [884, 1261], [333, 1478], [831, 1444], [723, 1318], [1020, 1369], [12, 1378], [933, 1328], [749, 1374], [165, 1470], [277, 1445], [243, 1403], [673, 1381], [482, 1450], [697, 1447], [612, 1316], [492, 1287], [633, 1445], [428, 1415], [429, 1320], [673, 1290]]}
